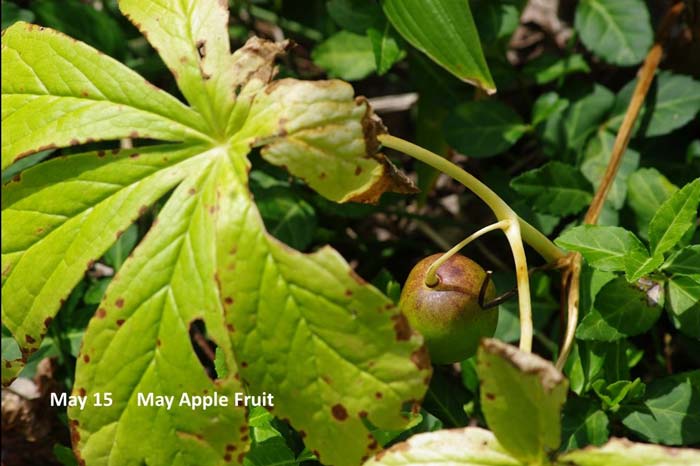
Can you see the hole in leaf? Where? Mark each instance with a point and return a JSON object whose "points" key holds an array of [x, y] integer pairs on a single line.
{"points": [[204, 348]]}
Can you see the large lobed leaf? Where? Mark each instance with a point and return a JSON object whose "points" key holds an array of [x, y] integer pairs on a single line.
{"points": [[302, 327]]}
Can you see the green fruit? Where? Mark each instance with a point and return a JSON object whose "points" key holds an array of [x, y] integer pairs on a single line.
{"points": [[448, 314]]}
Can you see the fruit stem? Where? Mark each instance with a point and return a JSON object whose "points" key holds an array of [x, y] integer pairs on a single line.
{"points": [[516, 230], [431, 278], [531, 235]]}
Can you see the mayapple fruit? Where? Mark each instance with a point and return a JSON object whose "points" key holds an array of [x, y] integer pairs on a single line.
{"points": [[448, 314]]}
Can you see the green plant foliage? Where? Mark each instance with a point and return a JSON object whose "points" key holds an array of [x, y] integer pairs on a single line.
{"points": [[445, 31], [386, 48], [621, 310], [673, 101], [674, 218], [583, 424], [611, 249], [548, 68], [483, 128], [346, 55], [555, 188], [596, 159], [618, 31], [208, 256], [669, 412], [648, 189], [683, 303], [522, 395]]}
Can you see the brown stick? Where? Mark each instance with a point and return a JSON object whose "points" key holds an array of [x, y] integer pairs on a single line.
{"points": [[645, 78]]}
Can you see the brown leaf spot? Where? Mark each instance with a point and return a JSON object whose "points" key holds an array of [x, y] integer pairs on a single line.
{"points": [[202, 48], [230, 328], [47, 322], [358, 170], [227, 458], [322, 175], [158, 342], [348, 292], [191, 191], [29, 339], [115, 151], [100, 153], [379, 395], [134, 134], [86, 358], [183, 59], [81, 391], [101, 313], [490, 396], [363, 414], [240, 457], [119, 303], [302, 434], [401, 327], [244, 438], [120, 322], [135, 155], [244, 364], [339, 412], [421, 358], [142, 210], [230, 447], [228, 300]]}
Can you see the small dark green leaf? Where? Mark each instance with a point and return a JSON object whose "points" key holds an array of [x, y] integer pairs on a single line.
{"points": [[674, 218], [549, 67], [356, 15], [546, 105], [446, 398], [565, 133], [445, 31], [345, 55], [555, 188], [647, 190], [612, 395], [604, 248], [82, 21], [483, 128], [618, 31], [683, 303], [11, 13], [583, 424], [117, 254], [684, 262], [669, 412], [673, 101], [287, 217], [386, 49], [497, 19], [621, 310], [596, 158]]}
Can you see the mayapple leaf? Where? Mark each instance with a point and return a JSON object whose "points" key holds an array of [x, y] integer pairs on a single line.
{"points": [[309, 330], [470, 446], [58, 92], [188, 273], [192, 39], [521, 397], [622, 452], [445, 31]]}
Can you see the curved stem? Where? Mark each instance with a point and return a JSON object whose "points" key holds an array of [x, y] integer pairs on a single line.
{"points": [[539, 242], [431, 278], [503, 212]]}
